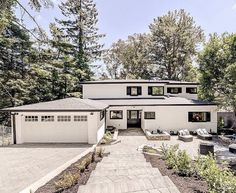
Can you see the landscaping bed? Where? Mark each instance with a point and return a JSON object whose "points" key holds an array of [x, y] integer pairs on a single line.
{"points": [[75, 175], [185, 184]]}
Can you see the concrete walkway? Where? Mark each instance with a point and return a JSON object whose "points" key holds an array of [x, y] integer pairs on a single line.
{"points": [[125, 170], [21, 165]]}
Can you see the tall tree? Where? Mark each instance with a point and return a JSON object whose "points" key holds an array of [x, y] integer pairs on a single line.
{"points": [[80, 35], [174, 40], [129, 58], [217, 66]]}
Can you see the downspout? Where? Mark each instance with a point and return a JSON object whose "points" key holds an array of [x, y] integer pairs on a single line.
{"points": [[14, 127]]}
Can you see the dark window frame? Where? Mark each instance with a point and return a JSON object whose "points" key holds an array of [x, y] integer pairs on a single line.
{"points": [[116, 117], [189, 88], [179, 90], [208, 117], [150, 91], [129, 90], [145, 115], [102, 115]]}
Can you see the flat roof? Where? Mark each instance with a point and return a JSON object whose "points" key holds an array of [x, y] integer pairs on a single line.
{"points": [[170, 82], [161, 101], [67, 104]]}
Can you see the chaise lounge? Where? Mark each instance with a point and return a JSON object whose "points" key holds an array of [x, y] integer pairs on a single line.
{"points": [[203, 134], [157, 135], [185, 136]]}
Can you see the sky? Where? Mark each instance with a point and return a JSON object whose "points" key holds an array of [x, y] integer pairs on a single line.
{"points": [[120, 18]]}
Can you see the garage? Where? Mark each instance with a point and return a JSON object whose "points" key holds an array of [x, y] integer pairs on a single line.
{"points": [[69, 120]]}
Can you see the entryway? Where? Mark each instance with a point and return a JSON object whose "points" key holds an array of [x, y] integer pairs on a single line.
{"points": [[134, 118]]}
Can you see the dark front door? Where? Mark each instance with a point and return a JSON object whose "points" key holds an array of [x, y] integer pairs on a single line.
{"points": [[133, 118]]}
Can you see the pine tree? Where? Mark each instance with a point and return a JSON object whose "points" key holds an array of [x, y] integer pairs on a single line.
{"points": [[80, 36]]}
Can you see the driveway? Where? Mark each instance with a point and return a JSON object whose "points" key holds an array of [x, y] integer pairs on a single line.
{"points": [[21, 165]]}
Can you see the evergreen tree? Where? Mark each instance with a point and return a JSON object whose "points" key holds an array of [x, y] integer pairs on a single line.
{"points": [[80, 36]]}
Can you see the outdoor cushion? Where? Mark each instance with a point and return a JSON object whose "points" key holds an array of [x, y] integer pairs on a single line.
{"points": [[205, 131], [181, 133], [186, 131]]}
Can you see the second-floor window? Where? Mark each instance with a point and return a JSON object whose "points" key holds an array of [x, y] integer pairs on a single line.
{"points": [[191, 90], [174, 90], [134, 90], [155, 90]]}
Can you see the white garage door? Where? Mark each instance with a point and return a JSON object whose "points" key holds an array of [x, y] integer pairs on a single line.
{"points": [[49, 129]]}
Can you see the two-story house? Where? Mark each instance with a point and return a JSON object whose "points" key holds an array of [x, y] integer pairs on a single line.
{"points": [[151, 105]]}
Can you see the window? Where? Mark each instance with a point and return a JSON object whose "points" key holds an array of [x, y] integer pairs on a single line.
{"points": [[199, 117], [63, 118], [155, 90], [102, 115], [191, 90], [47, 118], [31, 118], [80, 118], [174, 90], [149, 115], [116, 114], [134, 90]]}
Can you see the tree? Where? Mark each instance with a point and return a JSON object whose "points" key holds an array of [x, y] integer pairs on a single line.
{"points": [[174, 41], [80, 36], [129, 58], [217, 67]]}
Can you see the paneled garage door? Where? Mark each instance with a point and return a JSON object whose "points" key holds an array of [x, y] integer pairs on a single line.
{"points": [[55, 129]]}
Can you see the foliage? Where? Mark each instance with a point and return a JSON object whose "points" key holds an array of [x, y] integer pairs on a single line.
{"points": [[219, 179], [148, 149], [183, 163], [100, 152], [129, 58], [107, 138], [68, 180], [169, 154], [217, 67]]}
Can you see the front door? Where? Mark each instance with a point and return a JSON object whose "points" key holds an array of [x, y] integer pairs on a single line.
{"points": [[133, 118]]}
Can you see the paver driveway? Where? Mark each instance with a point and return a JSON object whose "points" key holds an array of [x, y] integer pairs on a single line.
{"points": [[21, 165]]}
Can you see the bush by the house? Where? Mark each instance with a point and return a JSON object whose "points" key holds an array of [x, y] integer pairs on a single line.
{"points": [[149, 149], [169, 154], [107, 138], [183, 163], [219, 179]]}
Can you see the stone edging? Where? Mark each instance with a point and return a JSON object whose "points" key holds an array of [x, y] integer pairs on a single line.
{"points": [[42, 181]]}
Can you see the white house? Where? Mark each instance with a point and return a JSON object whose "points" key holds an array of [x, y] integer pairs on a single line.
{"points": [[156, 104], [152, 104]]}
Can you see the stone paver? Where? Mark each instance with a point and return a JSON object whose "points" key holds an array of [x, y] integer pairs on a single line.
{"points": [[22, 165], [125, 170]]}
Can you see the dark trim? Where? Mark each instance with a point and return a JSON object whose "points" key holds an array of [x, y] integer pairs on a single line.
{"points": [[129, 98], [14, 127], [208, 116], [116, 118], [143, 82], [51, 110], [164, 105]]}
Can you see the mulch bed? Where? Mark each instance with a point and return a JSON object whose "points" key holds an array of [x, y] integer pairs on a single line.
{"points": [[83, 178], [185, 184]]}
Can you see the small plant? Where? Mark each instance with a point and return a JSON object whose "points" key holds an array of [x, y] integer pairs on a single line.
{"points": [[170, 155], [183, 163], [148, 149], [68, 180], [100, 151], [85, 163], [107, 138]]}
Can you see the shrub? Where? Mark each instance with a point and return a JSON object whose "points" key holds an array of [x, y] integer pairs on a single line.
{"points": [[107, 138], [68, 180], [85, 162], [100, 152], [220, 180], [149, 149], [183, 163], [170, 155]]}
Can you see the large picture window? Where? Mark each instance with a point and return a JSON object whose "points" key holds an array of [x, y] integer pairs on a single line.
{"points": [[155, 90], [174, 90], [199, 116], [134, 90], [191, 90], [149, 115], [116, 114]]}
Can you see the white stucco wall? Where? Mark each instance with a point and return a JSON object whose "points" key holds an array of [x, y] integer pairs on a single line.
{"points": [[119, 90], [58, 132], [168, 118]]}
